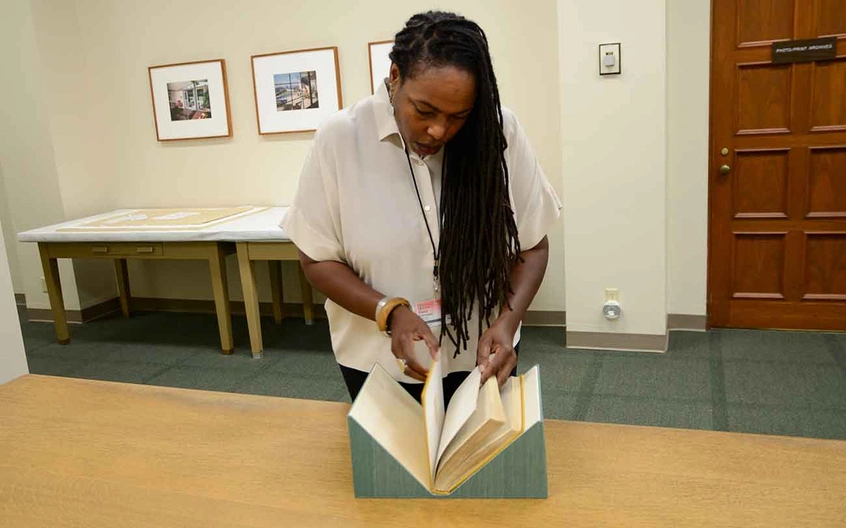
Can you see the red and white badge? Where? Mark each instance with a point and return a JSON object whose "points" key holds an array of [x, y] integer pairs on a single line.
{"points": [[429, 311]]}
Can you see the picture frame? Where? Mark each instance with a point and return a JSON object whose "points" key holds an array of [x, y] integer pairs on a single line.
{"points": [[295, 91], [190, 100], [380, 63]]}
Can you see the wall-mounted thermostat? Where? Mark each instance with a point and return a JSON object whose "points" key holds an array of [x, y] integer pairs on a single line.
{"points": [[610, 59]]}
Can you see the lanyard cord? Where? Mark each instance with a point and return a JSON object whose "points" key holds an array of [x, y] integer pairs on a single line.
{"points": [[435, 250]]}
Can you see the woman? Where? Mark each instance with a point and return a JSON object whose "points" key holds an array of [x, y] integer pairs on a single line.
{"points": [[421, 213]]}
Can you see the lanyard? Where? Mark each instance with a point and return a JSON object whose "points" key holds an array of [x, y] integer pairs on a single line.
{"points": [[435, 250]]}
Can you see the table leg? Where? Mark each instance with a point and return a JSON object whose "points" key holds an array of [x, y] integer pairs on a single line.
{"points": [[276, 289], [308, 301], [50, 267], [247, 268], [122, 274], [217, 266]]}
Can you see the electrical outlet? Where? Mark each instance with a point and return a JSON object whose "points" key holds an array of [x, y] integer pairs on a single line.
{"points": [[43, 284], [612, 295]]}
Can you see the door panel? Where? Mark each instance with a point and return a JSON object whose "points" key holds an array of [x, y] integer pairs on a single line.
{"points": [[827, 183], [825, 264], [763, 21], [759, 265], [777, 225], [763, 99], [828, 102], [760, 184], [828, 18]]}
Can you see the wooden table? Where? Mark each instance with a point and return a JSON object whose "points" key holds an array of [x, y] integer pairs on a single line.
{"points": [[90, 453], [256, 233], [212, 252], [250, 252]]}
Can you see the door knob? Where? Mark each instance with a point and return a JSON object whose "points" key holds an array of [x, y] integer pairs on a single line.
{"points": [[725, 169]]}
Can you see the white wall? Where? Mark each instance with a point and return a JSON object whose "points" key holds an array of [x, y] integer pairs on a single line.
{"points": [[79, 143], [104, 148], [9, 236], [637, 142], [614, 134], [26, 148], [688, 81], [12, 355]]}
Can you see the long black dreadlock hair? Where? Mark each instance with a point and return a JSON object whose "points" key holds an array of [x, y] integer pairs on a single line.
{"points": [[478, 243]]}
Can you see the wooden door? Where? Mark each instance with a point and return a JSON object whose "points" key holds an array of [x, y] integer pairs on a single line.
{"points": [[777, 226]]}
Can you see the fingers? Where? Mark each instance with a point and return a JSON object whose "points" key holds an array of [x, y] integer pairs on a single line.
{"points": [[492, 367], [415, 370], [483, 353], [431, 342], [505, 371], [501, 363], [403, 349]]}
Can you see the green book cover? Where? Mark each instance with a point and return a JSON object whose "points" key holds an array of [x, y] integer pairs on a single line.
{"points": [[388, 448]]}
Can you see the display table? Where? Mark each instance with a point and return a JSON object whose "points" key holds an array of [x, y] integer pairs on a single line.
{"points": [[124, 234], [92, 453]]}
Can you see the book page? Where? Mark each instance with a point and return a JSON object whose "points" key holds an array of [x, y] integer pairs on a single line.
{"points": [[512, 401], [395, 420], [433, 412], [484, 440], [461, 407], [489, 412], [532, 404]]}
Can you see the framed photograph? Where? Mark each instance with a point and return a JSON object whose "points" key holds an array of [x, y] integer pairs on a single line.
{"points": [[380, 63], [190, 100], [296, 90]]}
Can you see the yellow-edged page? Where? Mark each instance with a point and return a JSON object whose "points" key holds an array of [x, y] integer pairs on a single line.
{"points": [[477, 432], [462, 405], [432, 400], [513, 403]]}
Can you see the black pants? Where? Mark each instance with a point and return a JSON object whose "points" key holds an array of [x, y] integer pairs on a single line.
{"points": [[355, 380]]}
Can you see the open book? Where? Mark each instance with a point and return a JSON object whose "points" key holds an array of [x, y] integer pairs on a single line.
{"points": [[442, 448]]}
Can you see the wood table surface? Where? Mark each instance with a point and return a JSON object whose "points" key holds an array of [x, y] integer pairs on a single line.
{"points": [[91, 453]]}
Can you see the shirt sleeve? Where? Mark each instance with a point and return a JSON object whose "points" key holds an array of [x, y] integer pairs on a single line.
{"points": [[536, 204], [313, 219]]}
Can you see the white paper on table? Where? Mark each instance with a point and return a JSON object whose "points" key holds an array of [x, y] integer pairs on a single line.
{"points": [[176, 216]]}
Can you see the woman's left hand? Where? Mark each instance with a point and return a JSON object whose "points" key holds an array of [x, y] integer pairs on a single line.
{"points": [[495, 355]]}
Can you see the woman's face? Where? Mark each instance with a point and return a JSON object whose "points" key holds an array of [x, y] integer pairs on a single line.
{"points": [[432, 106]]}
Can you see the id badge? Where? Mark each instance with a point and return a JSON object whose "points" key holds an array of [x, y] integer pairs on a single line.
{"points": [[429, 311]]}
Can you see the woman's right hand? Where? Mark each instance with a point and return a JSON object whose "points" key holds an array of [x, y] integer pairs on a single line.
{"points": [[407, 327]]}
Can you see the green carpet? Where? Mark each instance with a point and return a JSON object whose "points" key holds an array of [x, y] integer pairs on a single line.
{"points": [[786, 383]]}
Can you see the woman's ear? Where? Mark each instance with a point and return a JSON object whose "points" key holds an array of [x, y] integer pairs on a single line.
{"points": [[394, 77]]}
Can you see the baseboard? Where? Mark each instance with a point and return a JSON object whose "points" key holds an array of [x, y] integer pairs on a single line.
{"points": [[697, 323], [619, 342], [539, 318], [100, 310], [43, 315], [586, 340], [77, 316], [148, 304]]}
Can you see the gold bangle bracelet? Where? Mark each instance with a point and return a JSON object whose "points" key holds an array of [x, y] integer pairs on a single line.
{"points": [[385, 312]]}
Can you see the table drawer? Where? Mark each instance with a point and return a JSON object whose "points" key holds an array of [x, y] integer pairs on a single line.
{"points": [[126, 249]]}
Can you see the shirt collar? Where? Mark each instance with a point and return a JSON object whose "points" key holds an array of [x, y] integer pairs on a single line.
{"points": [[386, 123]]}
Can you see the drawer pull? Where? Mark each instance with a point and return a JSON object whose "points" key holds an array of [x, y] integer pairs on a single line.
{"points": [[100, 249], [145, 249]]}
